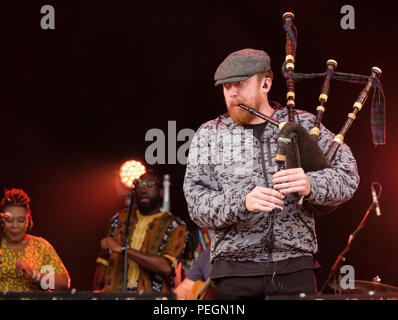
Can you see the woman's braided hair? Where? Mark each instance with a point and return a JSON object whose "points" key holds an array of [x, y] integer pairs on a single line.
{"points": [[17, 198]]}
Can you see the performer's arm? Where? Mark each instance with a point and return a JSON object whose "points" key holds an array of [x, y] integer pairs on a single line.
{"points": [[153, 263], [103, 257], [209, 204], [61, 281], [337, 184]]}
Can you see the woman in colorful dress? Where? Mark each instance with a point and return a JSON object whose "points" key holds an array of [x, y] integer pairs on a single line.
{"points": [[27, 262]]}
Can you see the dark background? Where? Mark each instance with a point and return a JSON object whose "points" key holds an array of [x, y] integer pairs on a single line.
{"points": [[77, 101]]}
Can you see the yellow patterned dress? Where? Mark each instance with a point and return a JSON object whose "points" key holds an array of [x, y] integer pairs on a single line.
{"points": [[38, 253]]}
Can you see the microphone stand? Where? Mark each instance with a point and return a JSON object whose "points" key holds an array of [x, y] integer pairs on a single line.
{"points": [[341, 258], [126, 238]]}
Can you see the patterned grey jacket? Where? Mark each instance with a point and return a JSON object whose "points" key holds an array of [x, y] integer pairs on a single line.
{"points": [[226, 162]]}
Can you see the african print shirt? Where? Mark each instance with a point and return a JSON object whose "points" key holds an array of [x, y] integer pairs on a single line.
{"points": [[158, 234], [38, 253]]}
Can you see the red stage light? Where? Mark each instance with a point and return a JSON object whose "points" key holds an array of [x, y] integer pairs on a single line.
{"points": [[129, 171]]}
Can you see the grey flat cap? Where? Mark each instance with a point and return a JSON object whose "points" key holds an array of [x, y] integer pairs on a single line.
{"points": [[241, 65]]}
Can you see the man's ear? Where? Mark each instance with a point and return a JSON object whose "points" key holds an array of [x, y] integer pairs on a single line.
{"points": [[267, 84]]}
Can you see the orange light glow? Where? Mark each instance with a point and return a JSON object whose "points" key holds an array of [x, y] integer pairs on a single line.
{"points": [[129, 171]]}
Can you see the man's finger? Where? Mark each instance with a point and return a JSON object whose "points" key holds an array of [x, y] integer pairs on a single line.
{"points": [[292, 184], [268, 192], [269, 203], [288, 172], [292, 190], [265, 199], [262, 208]]}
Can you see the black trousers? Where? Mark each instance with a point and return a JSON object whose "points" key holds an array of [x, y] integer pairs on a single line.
{"points": [[259, 287]]}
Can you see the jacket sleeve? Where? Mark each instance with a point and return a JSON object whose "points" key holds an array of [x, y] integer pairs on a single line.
{"points": [[337, 184], [210, 205]]}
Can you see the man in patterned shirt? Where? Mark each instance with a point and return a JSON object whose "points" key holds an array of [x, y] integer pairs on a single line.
{"points": [[156, 242], [264, 238]]}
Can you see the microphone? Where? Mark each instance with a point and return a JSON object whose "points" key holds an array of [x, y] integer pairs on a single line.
{"points": [[375, 200], [4, 215]]}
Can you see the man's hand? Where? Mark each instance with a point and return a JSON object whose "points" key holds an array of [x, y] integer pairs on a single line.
{"points": [[291, 181], [111, 244], [263, 199]]}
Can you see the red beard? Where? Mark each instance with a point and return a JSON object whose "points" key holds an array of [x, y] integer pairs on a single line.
{"points": [[237, 114]]}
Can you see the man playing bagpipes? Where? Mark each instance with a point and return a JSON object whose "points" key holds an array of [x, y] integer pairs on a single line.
{"points": [[264, 234]]}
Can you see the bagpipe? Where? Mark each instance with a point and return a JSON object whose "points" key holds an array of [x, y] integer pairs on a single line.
{"points": [[296, 146]]}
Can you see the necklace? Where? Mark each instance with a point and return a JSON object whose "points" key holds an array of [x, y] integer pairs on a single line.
{"points": [[6, 242]]}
